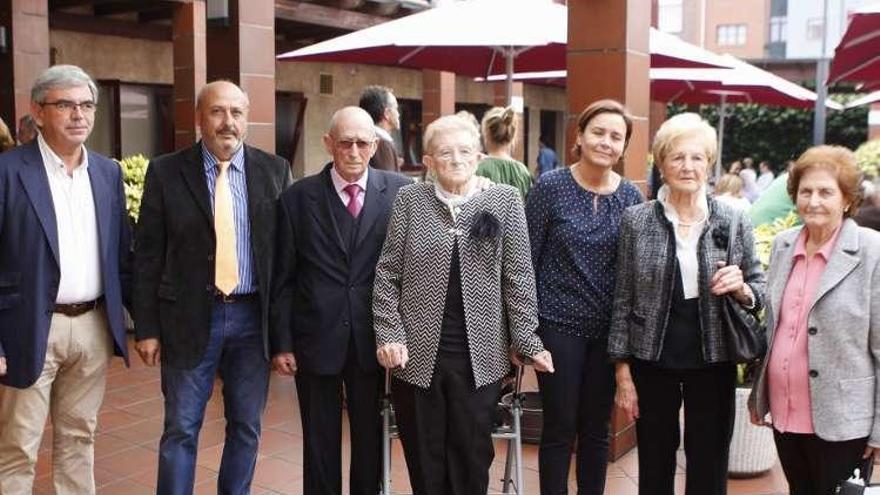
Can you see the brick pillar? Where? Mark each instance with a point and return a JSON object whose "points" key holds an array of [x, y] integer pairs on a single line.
{"points": [[438, 95], [244, 52], [500, 100], [874, 121], [27, 55], [608, 57], [189, 68]]}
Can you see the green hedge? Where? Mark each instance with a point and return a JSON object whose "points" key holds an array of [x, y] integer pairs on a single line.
{"points": [[778, 134]]}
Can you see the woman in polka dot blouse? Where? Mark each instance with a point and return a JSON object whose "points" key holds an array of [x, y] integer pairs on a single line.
{"points": [[573, 215]]}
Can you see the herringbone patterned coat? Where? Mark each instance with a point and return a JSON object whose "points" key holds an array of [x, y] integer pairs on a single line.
{"points": [[498, 282]]}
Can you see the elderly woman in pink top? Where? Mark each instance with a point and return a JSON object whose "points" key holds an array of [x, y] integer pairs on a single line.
{"points": [[818, 387]]}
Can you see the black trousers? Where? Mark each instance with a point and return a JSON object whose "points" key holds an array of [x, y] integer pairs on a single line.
{"points": [[446, 430], [320, 402], [709, 400], [813, 466], [577, 402]]}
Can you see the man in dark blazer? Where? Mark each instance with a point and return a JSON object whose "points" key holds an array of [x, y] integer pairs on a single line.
{"points": [[203, 258], [331, 229], [64, 272]]}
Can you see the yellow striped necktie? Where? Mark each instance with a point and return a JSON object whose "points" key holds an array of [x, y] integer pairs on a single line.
{"points": [[226, 259]]}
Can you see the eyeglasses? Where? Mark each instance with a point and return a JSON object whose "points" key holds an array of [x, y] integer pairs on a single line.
{"points": [[67, 106], [448, 155], [346, 144]]}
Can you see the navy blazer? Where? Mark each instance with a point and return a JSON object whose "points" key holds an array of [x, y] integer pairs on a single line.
{"points": [[323, 289], [29, 262]]}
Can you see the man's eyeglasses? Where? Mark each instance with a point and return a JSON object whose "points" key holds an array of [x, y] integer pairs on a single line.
{"points": [[448, 155], [67, 106], [346, 144]]}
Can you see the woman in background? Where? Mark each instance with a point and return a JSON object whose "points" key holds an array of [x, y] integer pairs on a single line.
{"points": [[499, 135]]}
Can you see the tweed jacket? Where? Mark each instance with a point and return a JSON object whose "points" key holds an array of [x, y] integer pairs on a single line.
{"points": [[498, 282], [646, 260], [843, 335]]}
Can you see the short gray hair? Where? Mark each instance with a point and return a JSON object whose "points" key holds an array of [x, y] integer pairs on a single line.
{"points": [[450, 123], [62, 77]]}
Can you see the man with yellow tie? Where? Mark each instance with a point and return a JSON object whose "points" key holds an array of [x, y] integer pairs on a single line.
{"points": [[203, 258]]}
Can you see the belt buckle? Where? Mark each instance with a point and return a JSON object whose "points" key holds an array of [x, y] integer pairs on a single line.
{"points": [[226, 298]]}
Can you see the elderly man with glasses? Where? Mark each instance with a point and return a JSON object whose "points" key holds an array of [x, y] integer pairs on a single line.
{"points": [[64, 256], [331, 229]]}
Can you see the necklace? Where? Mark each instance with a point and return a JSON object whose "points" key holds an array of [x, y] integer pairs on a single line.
{"points": [[691, 224]]}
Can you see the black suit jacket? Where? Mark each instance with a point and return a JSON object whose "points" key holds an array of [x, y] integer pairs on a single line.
{"points": [[323, 288], [175, 245]]}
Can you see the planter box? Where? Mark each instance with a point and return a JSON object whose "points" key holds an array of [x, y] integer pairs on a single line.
{"points": [[752, 451]]}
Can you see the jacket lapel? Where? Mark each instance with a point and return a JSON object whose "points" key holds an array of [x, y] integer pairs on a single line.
{"points": [[102, 194], [783, 261], [843, 259], [256, 178], [36, 184], [374, 201], [194, 174]]}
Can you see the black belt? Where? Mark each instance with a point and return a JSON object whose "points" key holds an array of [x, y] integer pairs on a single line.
{"points": [[235, 298], [77, 309]]}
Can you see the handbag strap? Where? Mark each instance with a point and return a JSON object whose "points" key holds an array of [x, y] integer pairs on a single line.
{"points": [[734, 231]]}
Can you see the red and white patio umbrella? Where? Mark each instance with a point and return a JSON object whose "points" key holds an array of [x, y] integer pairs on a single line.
{"points": [[482, 38], [857, 56]]}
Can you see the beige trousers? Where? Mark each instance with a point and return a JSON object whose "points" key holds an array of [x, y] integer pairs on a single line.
{"points": [[71, 388]]}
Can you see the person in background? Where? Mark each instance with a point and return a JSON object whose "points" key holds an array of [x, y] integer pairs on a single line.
{"points": [[667, 335], [728, 190], [499, 134], [766, 177], [817, 387], [547, 160], [7, 142], [381, 104], [27, 130], [454, 297], [750, 178], [773, 203], [869, 213], [574, 215]]}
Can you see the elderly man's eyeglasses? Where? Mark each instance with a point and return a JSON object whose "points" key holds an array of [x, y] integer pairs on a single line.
{"points": [[346, 144], [449, 154], [67, 106]]}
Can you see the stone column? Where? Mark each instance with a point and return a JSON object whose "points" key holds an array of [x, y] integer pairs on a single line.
{"points": [[438, 95], [244, 53], [608, 57], [26, 23], [188, 34]]}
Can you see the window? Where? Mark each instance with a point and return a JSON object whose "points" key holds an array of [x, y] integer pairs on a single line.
{"points": [[815, 28], [133, 118], [731, 34], [669, 16], [777, 29]]}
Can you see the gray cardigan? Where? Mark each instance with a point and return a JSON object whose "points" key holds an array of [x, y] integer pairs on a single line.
{"points": [[498, 282], [843, 334], [645, 270]]}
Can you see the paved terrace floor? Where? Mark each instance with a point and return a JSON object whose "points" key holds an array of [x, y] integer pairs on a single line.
{"points": [[130, 424]]}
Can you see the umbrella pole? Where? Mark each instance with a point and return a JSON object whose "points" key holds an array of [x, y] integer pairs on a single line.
{"points": [[722, 113], [508, 56]]}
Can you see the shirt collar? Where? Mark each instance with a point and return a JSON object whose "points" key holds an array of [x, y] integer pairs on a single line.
{"points": [[53, 162], [383, 134], [669, 210], [339, 183], [800, 247], [210, 161]]}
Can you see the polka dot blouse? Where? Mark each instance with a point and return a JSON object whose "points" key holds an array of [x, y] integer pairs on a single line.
{"points": [[574, 251]]}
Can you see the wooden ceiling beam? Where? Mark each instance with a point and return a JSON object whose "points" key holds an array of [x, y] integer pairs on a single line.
{"points": [[321, 15], [112, 27]]}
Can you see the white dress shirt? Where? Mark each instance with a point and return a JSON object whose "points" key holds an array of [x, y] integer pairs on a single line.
{"points": [[686, 247], [340, 184], [78, 246]]}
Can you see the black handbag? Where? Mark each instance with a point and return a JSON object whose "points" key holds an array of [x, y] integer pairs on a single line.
{"points": [[745, 334], [866, 469]]}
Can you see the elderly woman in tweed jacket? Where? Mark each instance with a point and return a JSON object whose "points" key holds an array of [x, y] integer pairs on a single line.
{"points": [[454, 294], [666, 332]]}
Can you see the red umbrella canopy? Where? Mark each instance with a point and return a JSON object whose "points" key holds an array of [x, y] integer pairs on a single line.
{"points": [[857, 56], [477, 38]]}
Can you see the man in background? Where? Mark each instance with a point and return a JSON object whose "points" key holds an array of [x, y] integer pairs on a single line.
{"points": [[380, 103]]}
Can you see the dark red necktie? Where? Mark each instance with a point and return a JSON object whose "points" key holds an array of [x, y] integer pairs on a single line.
{"points": [[353, 206]]}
